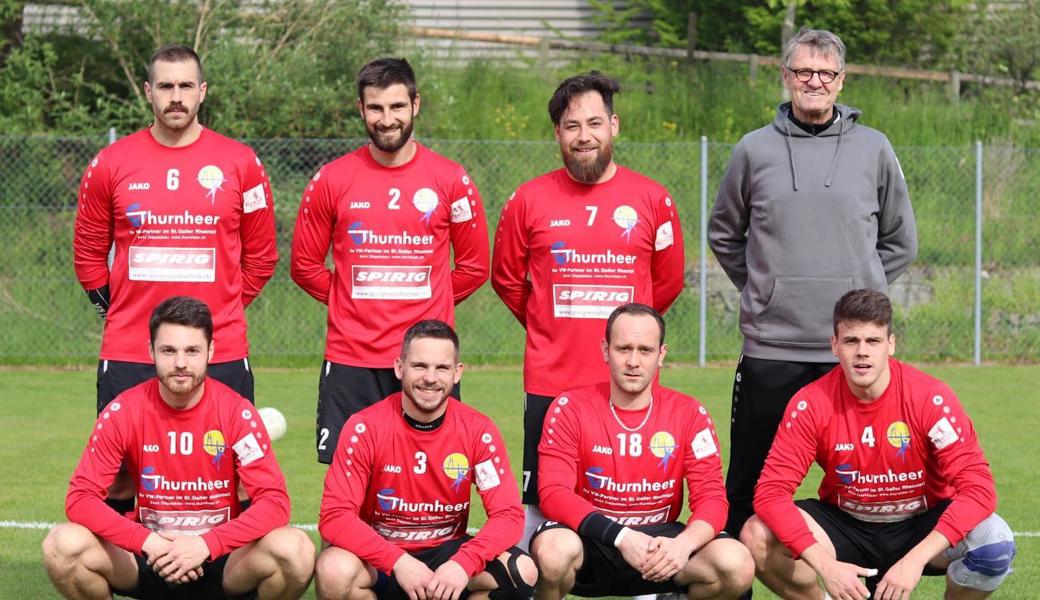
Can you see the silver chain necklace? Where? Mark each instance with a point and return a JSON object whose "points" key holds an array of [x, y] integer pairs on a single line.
{"points": [[646, 418]]}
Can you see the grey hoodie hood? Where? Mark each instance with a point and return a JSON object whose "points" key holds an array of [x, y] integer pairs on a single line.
{"points": [[846, 120]]}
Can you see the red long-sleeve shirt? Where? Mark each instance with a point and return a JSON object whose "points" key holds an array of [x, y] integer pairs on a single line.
{"points": [[567, 254], [393, 489], [883, 461], [390, 230], [629, 465], [196, 220], [187, 463]]}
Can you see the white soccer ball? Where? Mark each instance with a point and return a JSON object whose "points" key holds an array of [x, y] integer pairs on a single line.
{"points": [[274, 422]]}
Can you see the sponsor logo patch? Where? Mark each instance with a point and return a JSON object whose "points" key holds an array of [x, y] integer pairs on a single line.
{"points": [[390, 283], [665, 236], [154, 263], [254, 199], [487, 476], [942, 434], [637, 518], [461, 211], [703, 444], [883, 512], [589, 301], [248, 450]]}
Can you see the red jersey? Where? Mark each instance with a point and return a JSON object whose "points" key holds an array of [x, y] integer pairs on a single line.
{"points": [[567, 254], [629, 465], [196, 220], [883, 461], [390, 229], [188, 464], [392, 488]]}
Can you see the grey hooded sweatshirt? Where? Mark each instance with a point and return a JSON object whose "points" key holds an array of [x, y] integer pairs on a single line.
{"points": [[799, 220]]}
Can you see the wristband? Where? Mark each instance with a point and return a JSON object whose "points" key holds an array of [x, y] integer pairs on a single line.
{"points": [[620, 536], [598, 527]]}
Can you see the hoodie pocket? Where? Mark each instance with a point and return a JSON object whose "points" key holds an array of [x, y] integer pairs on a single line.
{"points": [[800, 311]]}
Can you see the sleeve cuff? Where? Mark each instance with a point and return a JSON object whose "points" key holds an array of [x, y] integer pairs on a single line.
{"points": [[469, 564], [393, 555]]}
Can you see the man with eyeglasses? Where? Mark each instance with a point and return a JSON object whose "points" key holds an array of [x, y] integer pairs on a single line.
{"points": [[811, 206]]}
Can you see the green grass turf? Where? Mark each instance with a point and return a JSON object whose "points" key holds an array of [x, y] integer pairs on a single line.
{"points": [[48, 413]]}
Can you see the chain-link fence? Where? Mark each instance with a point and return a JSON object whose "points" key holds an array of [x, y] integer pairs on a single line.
{"points": [[45, 317]]}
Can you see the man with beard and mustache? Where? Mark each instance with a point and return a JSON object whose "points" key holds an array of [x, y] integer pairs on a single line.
{"points": [[393, 212], [188, 211], [190, 440], [397, 496], [574, 244]]}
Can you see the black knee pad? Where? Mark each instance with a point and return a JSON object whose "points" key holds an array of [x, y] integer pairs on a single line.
{"points": [[511, 585]]}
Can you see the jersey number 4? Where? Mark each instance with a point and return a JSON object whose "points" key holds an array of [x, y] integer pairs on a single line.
{"points": [[868, 436]]}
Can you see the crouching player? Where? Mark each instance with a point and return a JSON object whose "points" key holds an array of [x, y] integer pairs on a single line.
{"points": [[397, 496], [612, 461], [906, 490], [192, 440]]}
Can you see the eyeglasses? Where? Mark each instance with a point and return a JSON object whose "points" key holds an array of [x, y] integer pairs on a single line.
{"points": [[806, 75]]}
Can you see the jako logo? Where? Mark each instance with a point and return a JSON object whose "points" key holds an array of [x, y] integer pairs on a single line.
{"points": [[560, 223], [141, 186], [151, 447], [360, 205], [391, 468]]}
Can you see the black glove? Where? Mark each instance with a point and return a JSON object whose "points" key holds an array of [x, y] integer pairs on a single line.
{"points": [[101, 299]]}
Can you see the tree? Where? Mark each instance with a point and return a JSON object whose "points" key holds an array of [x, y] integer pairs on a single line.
{"points": [[271, 65]]}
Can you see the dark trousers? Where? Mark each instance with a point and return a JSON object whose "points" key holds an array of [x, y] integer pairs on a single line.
{"points": [[761, 391]]}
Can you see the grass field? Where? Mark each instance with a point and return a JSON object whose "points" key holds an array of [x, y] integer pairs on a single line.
{"points": [[47, 414]]}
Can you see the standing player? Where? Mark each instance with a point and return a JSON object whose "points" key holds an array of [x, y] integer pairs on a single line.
{"points": [[390, 210], [611, 466], [397, 495], [905, 489], [192, 440], [189, 211], [574, 244]]}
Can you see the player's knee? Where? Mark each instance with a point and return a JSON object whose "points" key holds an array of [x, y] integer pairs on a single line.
{"points": [[65, 545], [555, 551], [984, 556], [514, 577], [293, 552], [337, 572], [732, 563], [757, 538]]}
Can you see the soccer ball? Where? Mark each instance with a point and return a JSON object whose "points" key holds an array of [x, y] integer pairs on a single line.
{"points": [[274, 422]]}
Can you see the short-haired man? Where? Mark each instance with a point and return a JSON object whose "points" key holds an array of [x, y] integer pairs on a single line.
{"points": [[190, 440], [394, 213], [906, 488], [397, 496], [574, 244], [811, 206], [612, 462], [190, 212]]}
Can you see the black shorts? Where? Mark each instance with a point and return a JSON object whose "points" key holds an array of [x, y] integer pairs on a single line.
{"points": [[115, 377], [604, 572], [535, 407], [872, 545], [387, 588], [344, 390], [208, 587]]}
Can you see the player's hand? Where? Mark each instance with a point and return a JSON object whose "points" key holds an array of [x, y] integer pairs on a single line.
{"points": [[448, 582], [668, 557], [154, 547], [841, 579], [413, 576], [183, 558], [636, 547], [899, 580]]}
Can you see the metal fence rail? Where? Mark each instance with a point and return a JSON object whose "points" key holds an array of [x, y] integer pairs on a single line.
{"points": [[974, 292]]}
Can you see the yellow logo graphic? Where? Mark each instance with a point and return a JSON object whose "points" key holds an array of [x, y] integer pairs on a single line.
{"points": [[213, 442], [899, 436], [662, 445], [456, 466], [626, 218]]}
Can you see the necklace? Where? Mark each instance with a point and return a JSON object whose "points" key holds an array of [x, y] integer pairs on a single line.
{"points": [[646, 418]]}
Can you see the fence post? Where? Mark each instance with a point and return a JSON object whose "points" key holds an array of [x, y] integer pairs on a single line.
{"points": [[704, 252], [691, 36], [111, 135], [955, 86], [978, 252]]}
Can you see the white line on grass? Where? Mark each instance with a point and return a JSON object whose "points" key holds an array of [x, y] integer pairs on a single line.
{"points": [[303, 526]]}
